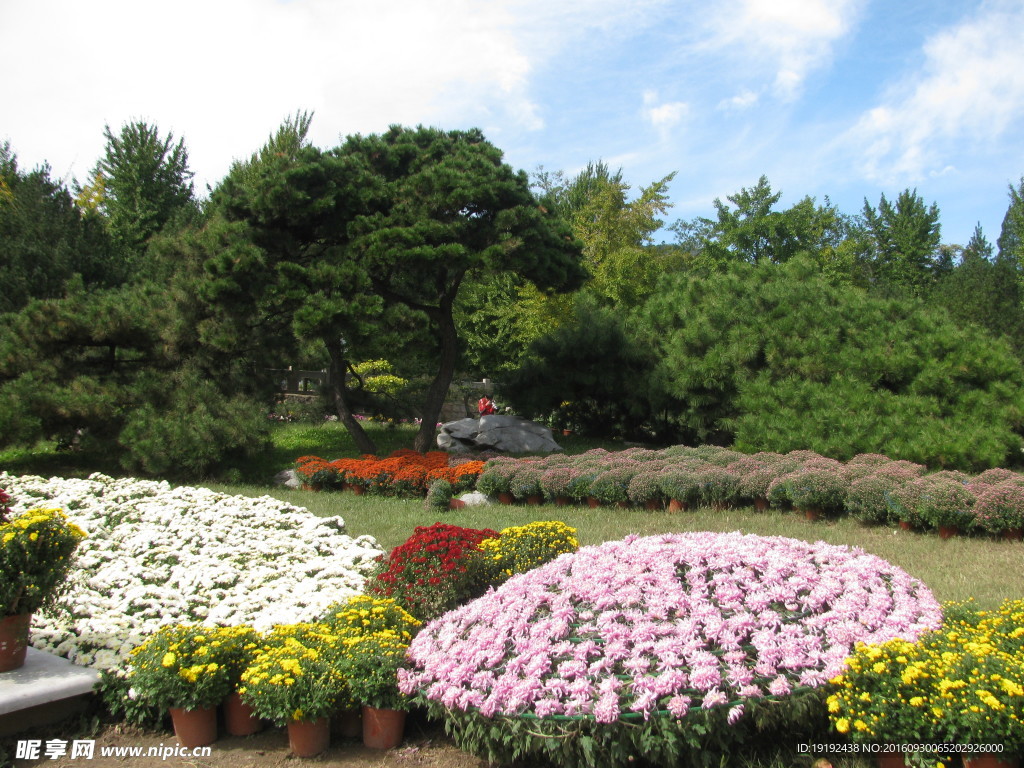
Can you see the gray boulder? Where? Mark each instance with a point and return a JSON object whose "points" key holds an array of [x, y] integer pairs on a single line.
{"points": [[509, 434], [288, 478]]}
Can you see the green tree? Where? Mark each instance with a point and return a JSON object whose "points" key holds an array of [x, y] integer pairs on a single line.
{"points": [[984, 290], [378, 236], [589, 371], [451, 207], [905, 239], [44, 239], [1011, 236], [775, 358], [140, 184], [752, 231]]}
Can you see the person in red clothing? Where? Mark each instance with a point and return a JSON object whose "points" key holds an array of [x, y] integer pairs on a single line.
{"points": [[486, 406]]}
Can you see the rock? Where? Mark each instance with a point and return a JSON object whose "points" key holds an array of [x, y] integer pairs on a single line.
{"points": [[288, 478], [475, 499], [508, 434]]}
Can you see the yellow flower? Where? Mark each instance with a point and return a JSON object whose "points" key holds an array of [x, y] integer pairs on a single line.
{"points": [[169, 659], [843, 725]]}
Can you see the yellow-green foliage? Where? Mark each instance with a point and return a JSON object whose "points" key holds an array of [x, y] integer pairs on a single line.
{"points": [[369, 615]]}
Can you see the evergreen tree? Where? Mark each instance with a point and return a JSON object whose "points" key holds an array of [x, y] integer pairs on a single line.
{"points": [[905, 239], [140, 184], [1011, 237], [44, 239]]}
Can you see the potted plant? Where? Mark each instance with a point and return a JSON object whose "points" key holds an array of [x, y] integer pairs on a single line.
{"points": [[496, 478], [612, 485], [554, 483], [370, 665], [36, 549], [718, 486], [999, 508], [294, 680], [235, 648], [644, 489], [439, 496], [945, 504], [178, 669], [525, 482], [817, 488], [680, 484]]}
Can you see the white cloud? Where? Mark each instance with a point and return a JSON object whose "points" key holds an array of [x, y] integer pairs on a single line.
{"points": [[788, 39], [745, 99], [969, 90], [223, 75], [664, 116]]}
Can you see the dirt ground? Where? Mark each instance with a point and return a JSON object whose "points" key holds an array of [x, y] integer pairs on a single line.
{"points": [[425, 746]]}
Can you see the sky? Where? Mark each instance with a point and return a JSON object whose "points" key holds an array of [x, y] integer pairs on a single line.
{"points": [[849, 99]]}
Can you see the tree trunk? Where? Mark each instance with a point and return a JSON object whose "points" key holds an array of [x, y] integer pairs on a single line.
{"points": [[337, 386], [438, 390]]}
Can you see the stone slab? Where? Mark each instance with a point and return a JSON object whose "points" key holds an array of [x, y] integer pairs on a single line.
{"points": [[45, 684]]}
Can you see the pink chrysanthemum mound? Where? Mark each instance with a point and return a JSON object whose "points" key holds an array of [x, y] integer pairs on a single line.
{"points": [[660, 625]]}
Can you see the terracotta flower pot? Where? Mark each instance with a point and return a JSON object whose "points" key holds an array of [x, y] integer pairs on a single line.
{"points": [[1013, 534], [562, 501], [195, 727], [812, 513], [309, 738], [890, 760], [990, 760], [505, 497], [948, 531], [761, 504], [239, 719], [358, 490], [534, 499], [906, 525], [653, 504], [675, 505], [456, 504], [593, 502], [382, 728], [14, 640]]}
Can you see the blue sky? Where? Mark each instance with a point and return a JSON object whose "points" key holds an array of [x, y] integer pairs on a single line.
{"points": [[846, 98]]}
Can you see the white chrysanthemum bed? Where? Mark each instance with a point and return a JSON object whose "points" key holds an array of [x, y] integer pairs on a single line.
{"points": [[159, 555]]}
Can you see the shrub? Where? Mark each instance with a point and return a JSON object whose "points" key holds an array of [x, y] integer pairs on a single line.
{"points": [[944, 501], [525, 480], [440, 495], [364, 614], [645, 486], [819, 484], [999, 507], [867, 497], [681, 482], [555, 482], [612, 485], [585, 660], [718, 485], [496, 476], [434, 570]]}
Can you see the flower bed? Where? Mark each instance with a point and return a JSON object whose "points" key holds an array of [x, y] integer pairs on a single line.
{"points": [[158, 555], [619, 641], [403, 473]]}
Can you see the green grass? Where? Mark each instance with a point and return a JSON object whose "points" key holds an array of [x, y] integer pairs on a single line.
{"points": [[964, 567]]}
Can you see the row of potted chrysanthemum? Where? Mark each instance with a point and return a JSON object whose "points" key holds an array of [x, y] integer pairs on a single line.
{"points": [[343, 665], [871, 487], [403, 473]]}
